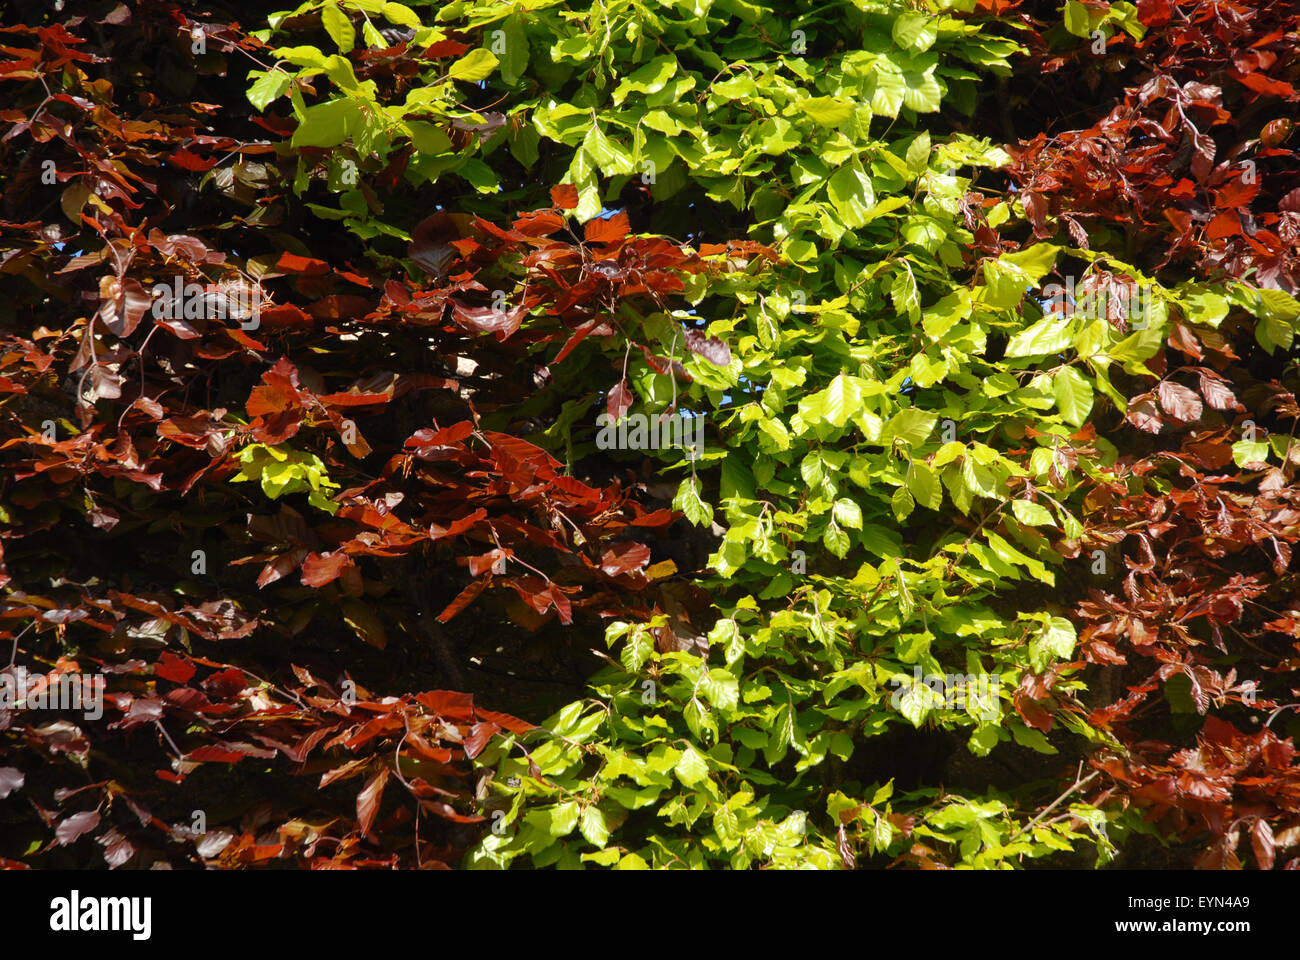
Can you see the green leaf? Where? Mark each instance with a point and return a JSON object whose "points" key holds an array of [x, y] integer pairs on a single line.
{"points": [[699, 719], [721, 688], [339, 27], [1033, 262], [828, 111], [374, 39], [851, 194], [1205, 306], [921, 92], [1059, 637], [269, 86], [1272, 332], [402, 15], [834, 405], [906, 296], [1079, 19], [915, 31], [326, 124], [605, 153], [847, 513], [1031, 738], [1249, 451], [983, 740], [924, 485], [775, 136], [688, 501], [1052, 334], [1031, 514], [640, 645], [514, 60], [911, 425], [562, 818], [428, 139], [918, 153], [593, 826], [952, 309], [902, 504], [474, 66], [1073, 395], [651, 78], [692, 768], [726, 635], [886, 87], [914, 704], [836, 540]]}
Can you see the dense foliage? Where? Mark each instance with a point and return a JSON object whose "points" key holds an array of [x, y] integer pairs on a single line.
{"points": [[981, 314]]}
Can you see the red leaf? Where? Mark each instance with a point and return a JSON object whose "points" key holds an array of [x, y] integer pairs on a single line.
{"points": [[565, 196], [292, 263], [1276, 132], [286, 315], [438, 438], [542, 223], [594, 325], [459, 526], [494, 560], [1261, 841], [214, 841], [620, 400], [445, 48], [478, 738], [369, 797], [1217, 393], [76, 825], [11, 779], [124, 305], [463, 600], [1036, 208], [1203, 155], [1235, 193], [624, 558], [1032, 712], [1226, 224], [278, 393], [1263, 84], [1153, 13], [117, 849], [1179, 402], [320, 569], [396, 292], [1182, 338], [281, 566], [451, 704], [489, 319], [448, 812], [560, 602], [213, 753], [607, 231], [191, 161], [340, 307], [513, 724], [173, 668], [710, 348], [431, 240], [1142, 413]]}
